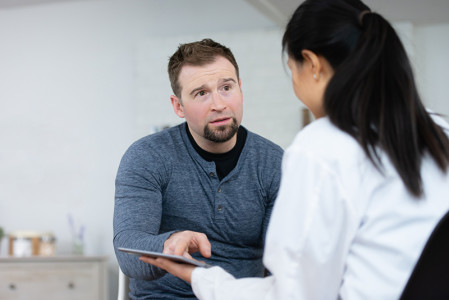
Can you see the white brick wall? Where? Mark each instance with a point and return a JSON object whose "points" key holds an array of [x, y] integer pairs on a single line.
{"points": [[270, 107]]}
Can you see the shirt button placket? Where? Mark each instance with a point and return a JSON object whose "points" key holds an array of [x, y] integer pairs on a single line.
{"points": [[219, 206]]}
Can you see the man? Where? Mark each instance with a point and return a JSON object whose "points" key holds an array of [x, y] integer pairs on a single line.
{"points": [[205, 187]]}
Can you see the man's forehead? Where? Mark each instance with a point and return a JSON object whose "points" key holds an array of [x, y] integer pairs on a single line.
{"points": [[219, 64], [219, 70]]}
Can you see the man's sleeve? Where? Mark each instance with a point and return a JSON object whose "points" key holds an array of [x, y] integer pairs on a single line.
{"points": [[138, 210], [272, 185]]}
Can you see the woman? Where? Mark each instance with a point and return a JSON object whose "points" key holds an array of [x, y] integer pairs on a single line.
{"points": [[363, 185]]}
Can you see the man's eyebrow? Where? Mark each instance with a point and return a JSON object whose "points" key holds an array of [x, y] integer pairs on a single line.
{"points": [[202, 87], [197, 89], [227, 80]]}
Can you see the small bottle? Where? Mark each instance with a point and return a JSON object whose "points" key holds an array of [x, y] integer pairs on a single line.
{"points": [[47, 244]]}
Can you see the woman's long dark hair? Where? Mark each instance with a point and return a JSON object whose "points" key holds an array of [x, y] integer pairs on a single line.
{"points": [[372, 95]]}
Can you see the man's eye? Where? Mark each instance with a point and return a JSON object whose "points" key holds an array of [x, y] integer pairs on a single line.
{"points": [[201, 93], [226, 88]]}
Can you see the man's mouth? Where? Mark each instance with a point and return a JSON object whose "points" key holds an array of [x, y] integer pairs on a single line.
{"points": [[220, 121]]}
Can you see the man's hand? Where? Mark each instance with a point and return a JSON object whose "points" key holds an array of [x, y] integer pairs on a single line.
{"points": [[185, 242], [183, 271]]}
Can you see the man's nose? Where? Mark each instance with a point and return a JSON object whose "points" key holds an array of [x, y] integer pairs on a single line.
{"points": [[217, 102]]}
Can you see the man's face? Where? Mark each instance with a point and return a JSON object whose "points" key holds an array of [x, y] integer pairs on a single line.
{"points": [[211, 102]]}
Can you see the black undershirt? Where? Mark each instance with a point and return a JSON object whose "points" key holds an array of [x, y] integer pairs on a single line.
{"points": [[224, 162]]}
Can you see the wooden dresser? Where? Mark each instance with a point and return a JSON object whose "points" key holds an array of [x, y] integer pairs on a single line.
{"points": [[53, 278]]}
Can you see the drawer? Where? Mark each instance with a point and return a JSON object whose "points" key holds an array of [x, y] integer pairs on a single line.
{"points": [[62, 280]]}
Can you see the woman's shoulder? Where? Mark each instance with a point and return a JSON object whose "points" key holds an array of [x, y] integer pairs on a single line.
{"points": [[322, 133], [324, 142]]}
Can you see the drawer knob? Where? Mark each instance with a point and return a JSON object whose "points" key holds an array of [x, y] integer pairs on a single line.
{"points": [[71, 285], [12, 286]]}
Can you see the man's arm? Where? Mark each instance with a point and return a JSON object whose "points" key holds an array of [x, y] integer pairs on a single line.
{"points": [[138, 214], [138, 211]]}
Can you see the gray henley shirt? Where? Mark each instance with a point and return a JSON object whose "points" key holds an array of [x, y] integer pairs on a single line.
{"points": [[163, 185]]}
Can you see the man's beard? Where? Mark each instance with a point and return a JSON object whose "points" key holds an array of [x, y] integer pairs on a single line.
{"points": [[221, 134]]}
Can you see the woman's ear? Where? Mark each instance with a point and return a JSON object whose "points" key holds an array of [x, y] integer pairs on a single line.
{"points": [[313, 62]]}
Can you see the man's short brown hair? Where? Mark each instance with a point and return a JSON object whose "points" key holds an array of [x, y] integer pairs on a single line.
{"points": [[196, 54]]}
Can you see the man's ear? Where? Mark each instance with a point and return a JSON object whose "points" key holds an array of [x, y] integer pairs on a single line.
{"points": [[177, 106]]}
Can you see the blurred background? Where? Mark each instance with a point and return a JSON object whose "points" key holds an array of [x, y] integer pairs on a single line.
{"points": [[80, 80]]}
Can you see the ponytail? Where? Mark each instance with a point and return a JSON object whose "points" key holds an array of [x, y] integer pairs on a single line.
{"points": [[372, 95]]}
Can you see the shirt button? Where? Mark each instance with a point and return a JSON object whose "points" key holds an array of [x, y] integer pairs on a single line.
{"points": [[219, 190], [220, 207], [212, 174]]}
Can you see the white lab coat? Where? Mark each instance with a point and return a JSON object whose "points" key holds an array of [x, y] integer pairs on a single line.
{"points": [[339, 228]]}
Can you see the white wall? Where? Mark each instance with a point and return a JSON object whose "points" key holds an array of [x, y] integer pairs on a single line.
{"points": [[427, 47], [80, 81], [432, 65], [66, 116]]}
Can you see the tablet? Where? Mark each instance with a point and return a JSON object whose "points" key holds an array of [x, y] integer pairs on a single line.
{"points": [[177, 258]]}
